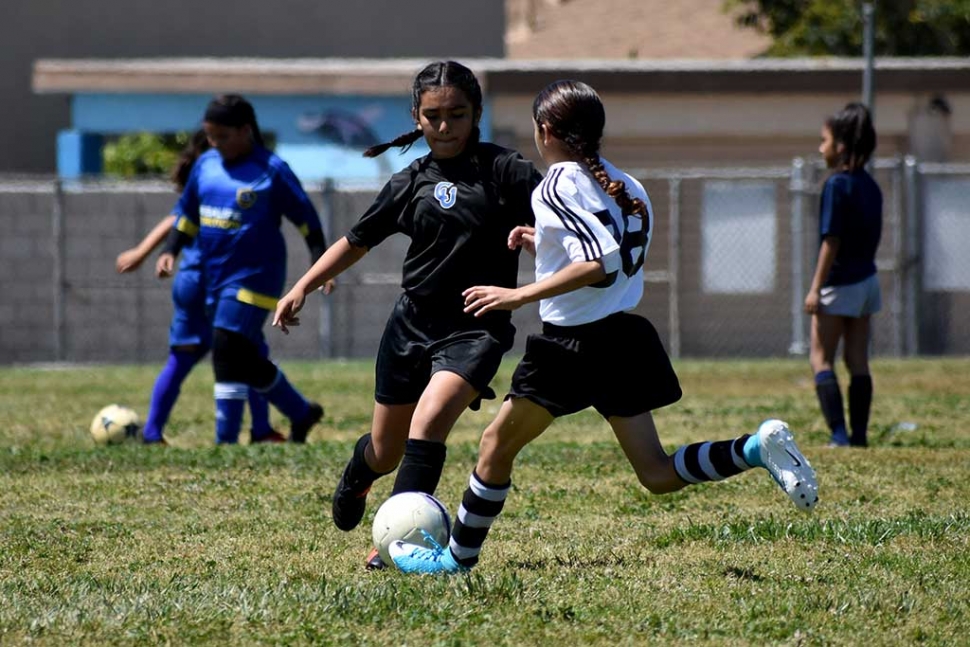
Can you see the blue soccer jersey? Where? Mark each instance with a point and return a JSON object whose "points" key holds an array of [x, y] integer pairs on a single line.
{"points": [[851, 210], [234, 210]]}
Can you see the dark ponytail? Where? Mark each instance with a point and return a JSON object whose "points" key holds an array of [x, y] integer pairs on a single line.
{"points": [[440, 74], [852, 127], [183, 167], [574, 114], [234, 111]]}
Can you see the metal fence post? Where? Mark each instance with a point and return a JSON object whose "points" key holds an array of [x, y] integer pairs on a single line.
{"points": [[325, 329], [896, 220], [673, 271], [911, 250], [57, 269], [797, 188]]}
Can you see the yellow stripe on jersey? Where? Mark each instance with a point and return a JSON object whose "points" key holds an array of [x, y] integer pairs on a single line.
{"points": [[255, 299], [187, 227], [304, 230]]}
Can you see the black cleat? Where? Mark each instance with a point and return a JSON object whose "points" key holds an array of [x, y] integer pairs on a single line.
{"points": [[350, 497], [299, 430]]}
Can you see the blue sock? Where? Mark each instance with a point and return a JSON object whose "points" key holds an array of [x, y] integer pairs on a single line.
{"points": [[230, 402], [168, 384], [259, 411], [285, 398], [752, 451], [258, 406]]}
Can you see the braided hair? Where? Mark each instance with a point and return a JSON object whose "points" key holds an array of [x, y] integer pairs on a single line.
{"points": [[574, 113], [440, 74], [852, 127]]}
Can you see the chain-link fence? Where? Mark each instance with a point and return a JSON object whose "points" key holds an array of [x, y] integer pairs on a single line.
{"points": [[732, 255]]}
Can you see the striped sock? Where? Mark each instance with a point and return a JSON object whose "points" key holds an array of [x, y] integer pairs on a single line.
{"points": [[480, 506], [711, 461]]}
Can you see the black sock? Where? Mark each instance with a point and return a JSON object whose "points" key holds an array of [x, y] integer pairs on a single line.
{"points": [[830, 399], [860, 403], [358, 475], [421, 468]]}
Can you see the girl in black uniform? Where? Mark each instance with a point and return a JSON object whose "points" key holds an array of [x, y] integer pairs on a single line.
{"points": [[458, 205], [593, 228]]}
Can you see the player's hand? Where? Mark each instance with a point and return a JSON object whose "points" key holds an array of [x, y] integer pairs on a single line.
{"points": [[524, 237], [328, 287], [287, 309], [484, 298], [811, 303], [165, 266], [128, 261]]}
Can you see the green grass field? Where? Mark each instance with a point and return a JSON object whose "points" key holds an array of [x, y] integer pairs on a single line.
{"points": [[194, 544]]}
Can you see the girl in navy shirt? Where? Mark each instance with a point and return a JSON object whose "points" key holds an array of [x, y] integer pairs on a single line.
{"points": [[845, 288]]}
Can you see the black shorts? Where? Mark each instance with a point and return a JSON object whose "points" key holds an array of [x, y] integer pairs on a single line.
{"points": [[420, 340], [616, 365]]}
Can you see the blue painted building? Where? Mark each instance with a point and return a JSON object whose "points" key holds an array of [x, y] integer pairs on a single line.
{"points": [[320, 129]]}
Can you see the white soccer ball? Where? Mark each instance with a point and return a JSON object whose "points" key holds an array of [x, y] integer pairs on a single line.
{"points": [[115, 424], [404, 516]]}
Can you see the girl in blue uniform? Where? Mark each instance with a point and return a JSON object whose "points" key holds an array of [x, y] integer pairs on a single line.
{"points": [[190, 335], [592, 232], [233, 205], [845, 288], [457, 205]]}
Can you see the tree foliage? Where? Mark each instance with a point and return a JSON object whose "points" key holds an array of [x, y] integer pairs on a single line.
{"points": [[835, 27], [141, 154]]}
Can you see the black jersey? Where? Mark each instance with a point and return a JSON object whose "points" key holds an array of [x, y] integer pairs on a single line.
{"points": [[458, 213]]}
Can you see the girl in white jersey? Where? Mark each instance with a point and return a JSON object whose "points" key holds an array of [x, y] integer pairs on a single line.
{"points": [[593, 228]]}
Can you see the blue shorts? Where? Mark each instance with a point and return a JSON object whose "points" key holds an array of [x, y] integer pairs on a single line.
{"points": [[190, 324], [854, 300], [233, 310]]}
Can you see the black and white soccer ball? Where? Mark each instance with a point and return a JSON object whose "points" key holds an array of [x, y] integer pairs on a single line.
{"points": [[115, 424], [404, 516]]}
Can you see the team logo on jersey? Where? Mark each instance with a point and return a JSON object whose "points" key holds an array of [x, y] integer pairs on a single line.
{"points": [[445, 193], [245, 197]]}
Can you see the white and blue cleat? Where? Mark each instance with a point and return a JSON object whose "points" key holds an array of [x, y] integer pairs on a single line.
{"points": [[411, 558], [787, 465]]}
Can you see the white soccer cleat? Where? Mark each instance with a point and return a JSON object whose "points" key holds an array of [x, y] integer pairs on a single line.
{"points": [[787, 465]]}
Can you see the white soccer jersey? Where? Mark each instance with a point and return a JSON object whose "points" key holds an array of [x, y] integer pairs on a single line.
{"points": [[577, 221]]}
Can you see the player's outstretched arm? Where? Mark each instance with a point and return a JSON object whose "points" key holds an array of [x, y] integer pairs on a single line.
{"points": [[338, 257], [484, 298], [131, 259]]}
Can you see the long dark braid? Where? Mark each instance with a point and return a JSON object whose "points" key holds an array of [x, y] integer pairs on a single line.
{"points": [[574, 113], [439, 74], [852, 127]]}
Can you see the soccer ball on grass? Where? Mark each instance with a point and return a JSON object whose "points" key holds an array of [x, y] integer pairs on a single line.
{"points": [[404, 516], [115, 424]]}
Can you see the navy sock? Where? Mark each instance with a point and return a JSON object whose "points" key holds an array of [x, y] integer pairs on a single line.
{"points": [[286, 398], [830, 400], [860, 403], [421, 468], [168, 385], [259, 413], [230, 402]]}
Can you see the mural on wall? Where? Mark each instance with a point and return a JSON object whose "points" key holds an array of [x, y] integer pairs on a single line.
{"points": [[344, 129]]}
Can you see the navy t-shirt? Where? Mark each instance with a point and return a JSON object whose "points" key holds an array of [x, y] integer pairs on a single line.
{"points": [[851, 210]]}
